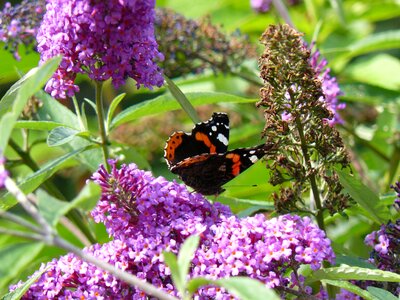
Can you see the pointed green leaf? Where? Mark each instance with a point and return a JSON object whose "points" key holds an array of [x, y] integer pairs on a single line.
{"points": [[182, 100], [350, 287], [381, 294], [113, 106], [33, 181], [15, 258], [167, 102], [172, 262], [389, 39], [37, 125], [61, 135], [51, 208], [186, 254], [87, 197], [246, 288], [21, 290], [16, 97], [364, 197], [354, 273]]}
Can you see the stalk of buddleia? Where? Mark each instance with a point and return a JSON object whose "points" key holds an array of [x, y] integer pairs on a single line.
{"points": [[297, 121]]}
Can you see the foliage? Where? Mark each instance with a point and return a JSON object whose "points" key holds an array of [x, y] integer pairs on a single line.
{"points": [[212, 50]]}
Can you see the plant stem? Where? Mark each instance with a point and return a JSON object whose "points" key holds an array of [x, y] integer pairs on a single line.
{"points": [[78, 114], [311, 176], [101, 123], [283, 12]]}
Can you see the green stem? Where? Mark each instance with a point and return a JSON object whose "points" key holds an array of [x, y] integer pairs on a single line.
{"points": [[283, 12], [313, 181], [78, 114], [101, 123]]}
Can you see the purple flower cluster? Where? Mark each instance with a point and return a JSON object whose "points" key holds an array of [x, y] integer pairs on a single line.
{"points": [[260, 6], [19, 24], [147, 215], [386, 247], [3, 171], [104, 39], [330, 87]]}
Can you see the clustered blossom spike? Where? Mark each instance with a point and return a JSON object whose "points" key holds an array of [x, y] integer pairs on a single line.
{"points": [[330, 87], [147, 215], [19, 24], [191, 46], [307, 147], [104, 39], [385, 255]]}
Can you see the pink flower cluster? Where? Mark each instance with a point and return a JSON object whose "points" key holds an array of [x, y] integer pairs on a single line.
{"points": [[104, 39], [147, 215]]}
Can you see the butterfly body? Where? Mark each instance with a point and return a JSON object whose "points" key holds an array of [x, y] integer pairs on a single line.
{"points": [[201, 158]]}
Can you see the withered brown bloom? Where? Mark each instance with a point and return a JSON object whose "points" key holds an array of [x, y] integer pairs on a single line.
{"points": [[190, 46], [308, 148]]}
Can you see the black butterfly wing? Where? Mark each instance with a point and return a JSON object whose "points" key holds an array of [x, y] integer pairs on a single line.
{"points": [[209, 137], [206, 173]]}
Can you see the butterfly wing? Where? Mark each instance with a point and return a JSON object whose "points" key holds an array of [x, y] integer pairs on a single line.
{"points": [[209, 137], [206, 173]]}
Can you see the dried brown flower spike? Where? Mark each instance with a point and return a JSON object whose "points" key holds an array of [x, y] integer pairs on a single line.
{"points": [[295, 113]]}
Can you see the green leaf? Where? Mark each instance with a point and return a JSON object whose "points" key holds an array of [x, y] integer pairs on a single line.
{"points": [[113, 106], [182, 100], [353, 273], [16, 97], [381, 294], [186, 254], [15, 258], [51, 208], [92, 104], [21, 290], [246, 288], [60, 136], [37, 125], [364, 197], [350, 287], [87, 197], [167, 102], [54, 111], [33, 181], [172, 262], [389, 39], [379, 70]]}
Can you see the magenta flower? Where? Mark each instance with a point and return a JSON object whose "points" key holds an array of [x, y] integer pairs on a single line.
{"points": [[260, 6], [104, 39], [3, 171], [330, 87], [147, 215]]}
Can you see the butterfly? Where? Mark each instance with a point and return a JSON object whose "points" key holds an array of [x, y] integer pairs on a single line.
{"points": [[201, 158]]}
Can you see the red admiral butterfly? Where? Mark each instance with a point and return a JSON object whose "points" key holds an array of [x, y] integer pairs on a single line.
{"points": [[201, 158]]}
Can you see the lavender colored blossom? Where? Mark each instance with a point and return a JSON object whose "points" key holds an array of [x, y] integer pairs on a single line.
{"points": [[19, 24], [330, 87], [260, 6], [3, 171], [396, 188], [104, 39], [147, 215]]}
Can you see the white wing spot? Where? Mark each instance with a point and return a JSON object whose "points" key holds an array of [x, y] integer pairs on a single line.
{"points": [[222, 139], [214, 128], [253, 158], [252, 151]]}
